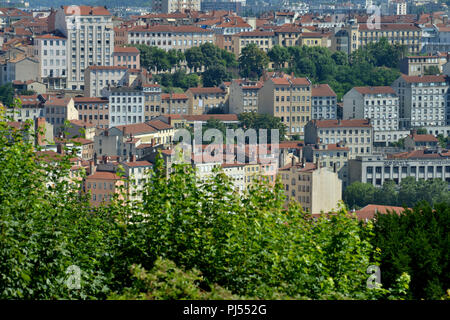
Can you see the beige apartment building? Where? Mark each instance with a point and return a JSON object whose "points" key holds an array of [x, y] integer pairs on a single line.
{"points": [[102, 186], [174, 103], [265, 40], [407, 34], [127, 57], [420, 65], [244, 95], [170, 37], [152, 101], [93, 110], [289, 99], [201, 100], [90, 40], [58, 110], [316, 189], [356, 134]]}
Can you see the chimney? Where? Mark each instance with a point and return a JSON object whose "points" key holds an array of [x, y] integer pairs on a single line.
{"points": [[60, 148], [39, 130], [303, 162], [92, 167]]}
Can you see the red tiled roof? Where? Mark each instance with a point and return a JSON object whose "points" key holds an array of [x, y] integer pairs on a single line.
{"points": [[369, 211], [322, 90], [417, 79], [82, 123], [136, 128], [86, 11], [103, 175], [170, 28], [342, 123], [391, 26], [375, 90], [90, 100], [424, 138], [50, 36], [138, 164], [107, 68], [174, 96], [159, 125], [206, 117], [206, 90], [126, 50], [419, 154]]}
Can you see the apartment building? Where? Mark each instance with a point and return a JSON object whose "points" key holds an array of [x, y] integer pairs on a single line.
{"points": [[90, 40], [138, 173], [127, 57], [82, 129], [20, 68], [407, 34], [316, 189], [380, 105], [174, 103], [102, 186], [416, 141], [315, 39], [127, 105], [420, 65], [356, 134], [202, 100], [244, 95], [170, 37], [236, 173], [346, 38], [98, 78], [93, 110], [169, 6], [422, 101], [59, 110], [334, 157], [50, 50], [288, 98], [125, 140], [265, 40], [31, 107], [420, 164], [324, 102], [152, 93]]}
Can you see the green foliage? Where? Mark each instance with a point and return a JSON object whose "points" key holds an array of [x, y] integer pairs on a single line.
{"points": [[155, 58], [416, 242], [252, 62], [215, 75], [167, 282], [7, 94], [262, 121], [278, 55], [432, 70], [421, 131], [178, 79], [408, 193]]}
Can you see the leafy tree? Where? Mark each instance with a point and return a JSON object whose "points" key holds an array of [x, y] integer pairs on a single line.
{"points": [[416, 242], [215, 75], [278, 55], [359, 194], [7, 94], [252, 61], [421, 131], [340, 58], [194, 58], [175, 58], [258, 121]]}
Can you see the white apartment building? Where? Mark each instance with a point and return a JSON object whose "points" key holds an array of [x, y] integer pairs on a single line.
{"points": [[51, 53], [379, 104], [98, 78], [90, 40], [356, 134], [324, 102], [169, 6], [127, 106], [422, 101], [170, 37]]}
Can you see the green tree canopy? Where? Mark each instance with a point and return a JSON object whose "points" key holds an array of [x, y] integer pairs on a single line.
{"points": [[252, 61]]}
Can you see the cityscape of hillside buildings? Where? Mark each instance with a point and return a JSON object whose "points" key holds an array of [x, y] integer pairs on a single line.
{"points": [[79, 65]]}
